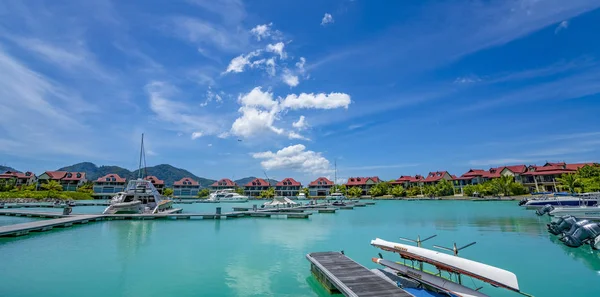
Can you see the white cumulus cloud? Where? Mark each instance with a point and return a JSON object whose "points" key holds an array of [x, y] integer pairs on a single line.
{"points": [[258, 98], [294, 135], [327, 18], [289, 78], [240, 62], [196, 135], [318, 101], [261, 31], [301, 123], [294, 157], [277, 48]]}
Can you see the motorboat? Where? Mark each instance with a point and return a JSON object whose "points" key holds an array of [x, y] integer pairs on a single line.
{"points": [[574, 200], [301, 196], [227, 195], [336, 196], [589, 232], [140, 196], [280, 202], [561, 225], [583, 212], [456, 267], [338, 203]]}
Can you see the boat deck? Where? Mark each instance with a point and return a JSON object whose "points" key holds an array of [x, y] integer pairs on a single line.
{"points": [[339, 273]]}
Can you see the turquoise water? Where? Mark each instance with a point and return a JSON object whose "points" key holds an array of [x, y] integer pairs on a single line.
{"points": [[266, 257]]}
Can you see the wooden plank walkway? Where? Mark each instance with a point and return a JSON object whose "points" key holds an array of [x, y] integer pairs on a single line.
{"points": [[339, 273], [44, 225], [27, 213]]}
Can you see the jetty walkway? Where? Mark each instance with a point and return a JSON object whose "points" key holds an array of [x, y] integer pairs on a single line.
{"points": [[63, 219], [340, 274]]}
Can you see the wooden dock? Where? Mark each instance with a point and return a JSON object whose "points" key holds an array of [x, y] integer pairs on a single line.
{"points": [[45, 225], [340, 274]]}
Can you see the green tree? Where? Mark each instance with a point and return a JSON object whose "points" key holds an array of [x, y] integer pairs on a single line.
{"points": [[269, 193], [504, 184], [168, 192], [87, 187], [338, 189], [469, 190], [397, 191], [239, 190], [306, 192], [444, 188], [203, 193], [52, 186], [354, 192], [517, 189], [413, 191], [7, 184], [568, 181], [379, 189]]}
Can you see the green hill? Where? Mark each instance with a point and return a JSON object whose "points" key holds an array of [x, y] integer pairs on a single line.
{"points": [[166, 172], [6, 168], [242, 181]]}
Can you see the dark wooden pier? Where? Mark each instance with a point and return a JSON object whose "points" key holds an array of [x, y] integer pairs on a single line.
{"points": [[340, 274]]}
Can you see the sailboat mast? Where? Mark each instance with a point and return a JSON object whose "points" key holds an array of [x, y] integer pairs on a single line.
{"points": [[142, 158]]}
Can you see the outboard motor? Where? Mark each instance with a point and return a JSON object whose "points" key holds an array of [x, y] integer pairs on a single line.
{"points": [[523, 201], [563, 224], [544, 210], [582, 235], [595, 243], [574, 228]]}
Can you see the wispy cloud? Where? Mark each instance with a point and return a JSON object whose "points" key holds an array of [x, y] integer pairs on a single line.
{"points": [[327, 19], [561, 26]]}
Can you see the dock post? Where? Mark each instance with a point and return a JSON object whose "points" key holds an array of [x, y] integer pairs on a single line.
{"points": [[67, 210], [219, 210], [254, 207]]}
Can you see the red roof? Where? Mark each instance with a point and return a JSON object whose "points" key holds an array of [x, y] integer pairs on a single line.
{"points": [[186, 181], [576, 166], [56, 175], [154, 180], [74, 176], [323, 180], [258, 182], [112, 177], [548, 172], [562, 164], [517, 168], [224, 182], [15, 174], [435, 176], [358, 181], [288, 182]]}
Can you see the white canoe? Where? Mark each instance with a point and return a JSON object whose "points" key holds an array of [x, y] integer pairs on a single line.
{"points": [[490, 274], [431, 280]]}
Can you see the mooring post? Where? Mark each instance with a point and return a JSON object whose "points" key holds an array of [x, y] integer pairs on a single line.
{"points": [[67, 210], [218, 210], [254, 207]]}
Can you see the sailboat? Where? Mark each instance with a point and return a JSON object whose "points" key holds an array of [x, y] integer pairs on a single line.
{"points": [[336, 195], [140, 195], [451, 264]]}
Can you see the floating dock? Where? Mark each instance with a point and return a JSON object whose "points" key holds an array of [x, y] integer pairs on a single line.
{"points": [[340, 274], [45, 225]]}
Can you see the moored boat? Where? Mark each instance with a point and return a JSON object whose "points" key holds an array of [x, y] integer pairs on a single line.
{"points": [[280, 202], [227, 195]]}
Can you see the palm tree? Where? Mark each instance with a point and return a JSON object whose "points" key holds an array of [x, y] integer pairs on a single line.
{"points": [[52, 186], [569, 181], [504, 184]]}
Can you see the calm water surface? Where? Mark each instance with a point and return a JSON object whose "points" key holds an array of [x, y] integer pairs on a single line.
{"points": [[266, 257]]}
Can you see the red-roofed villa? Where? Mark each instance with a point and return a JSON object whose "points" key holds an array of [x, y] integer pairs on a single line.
{"points": [[70, 181], [21, 179], [320, 187], [105, 187], [365, 183], [186, 188], [407, 181], [255, 186], [157, 183], [543, 178], [434, 177], [288, 187], [222, 184]]}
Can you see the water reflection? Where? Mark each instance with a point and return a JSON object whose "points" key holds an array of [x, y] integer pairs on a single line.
{"points": [[246, 279], [292, 235], [529, 225], [584, 254]]}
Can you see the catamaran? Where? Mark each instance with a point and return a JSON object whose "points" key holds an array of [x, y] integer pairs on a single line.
{"points": [[452, 264], [140, 196]]}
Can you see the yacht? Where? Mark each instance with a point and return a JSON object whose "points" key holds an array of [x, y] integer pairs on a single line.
{"points": [[301, 196], [574, 200], [227, 195], [140, 195], [280, 202], [336, 196]]}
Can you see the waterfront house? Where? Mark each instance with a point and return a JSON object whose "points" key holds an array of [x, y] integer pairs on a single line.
{"points": [[255, 186], [186, 188], [70, 181], [320, 187], [365, 183], [434, 177], [222, 184], [107, 186], [288, 187], [21, 179], [157, 183], [543, 178], [407, 181]]}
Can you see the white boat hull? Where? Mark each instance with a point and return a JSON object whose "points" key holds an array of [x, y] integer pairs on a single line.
{"points": [[583, 213], [239, 200], [437, 282], [124, 208]]}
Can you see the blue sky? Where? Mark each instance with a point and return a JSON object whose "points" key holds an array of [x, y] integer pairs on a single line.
{"points": [[384, 88]]}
